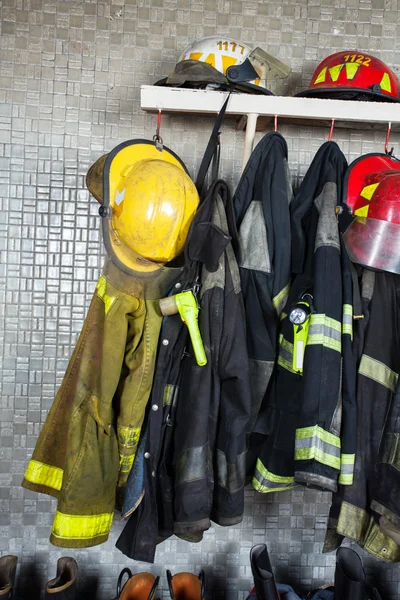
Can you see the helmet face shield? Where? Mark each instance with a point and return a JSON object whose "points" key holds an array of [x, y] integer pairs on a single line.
{"points": [[374, 243], [372, 193]]}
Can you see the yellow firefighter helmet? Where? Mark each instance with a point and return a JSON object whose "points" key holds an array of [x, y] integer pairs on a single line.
{"points": [[148, 201]]}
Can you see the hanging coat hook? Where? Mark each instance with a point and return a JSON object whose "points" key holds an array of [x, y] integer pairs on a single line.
{"points": [[387, 151], [157, 138], [276, 123], [331, 130]]}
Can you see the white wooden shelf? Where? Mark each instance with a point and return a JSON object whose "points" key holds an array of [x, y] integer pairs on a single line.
{"points": [[168, 99]]}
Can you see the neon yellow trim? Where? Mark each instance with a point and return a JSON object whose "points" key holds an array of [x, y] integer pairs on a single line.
{"points": [[42, 474], [317, 431], [323, 340], [81, 527], [128, 436], [271, 476], [348, 309], [348, 459], [321, 319], [266, 490], [368, 191], [101, 292], [278, 300], [335, 71], [385, 83], [287, 364], [126, 462], [351, 70], [321, 77], [288, 346], [362, 212], [346, 479], [379, 372], [318, 455]]}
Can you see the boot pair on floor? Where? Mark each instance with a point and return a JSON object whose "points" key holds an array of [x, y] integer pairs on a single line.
{"points": [[144, 586], [62, 587], [350, 579]]}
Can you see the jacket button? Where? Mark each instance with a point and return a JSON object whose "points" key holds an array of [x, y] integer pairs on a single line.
{"points": [[154, 407], [384, 550], [147, 454], [165, 342], [178, 285]]}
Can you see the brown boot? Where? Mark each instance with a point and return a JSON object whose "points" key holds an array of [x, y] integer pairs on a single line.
{"points": [[8, 564], [142, 586], [64, 586], [186, 586]]}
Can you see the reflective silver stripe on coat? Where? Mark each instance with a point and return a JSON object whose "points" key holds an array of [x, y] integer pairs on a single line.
{"points": [[231, 476], [316, 442], [327, 228], [253, 239], [378, 371], [191, 464]]}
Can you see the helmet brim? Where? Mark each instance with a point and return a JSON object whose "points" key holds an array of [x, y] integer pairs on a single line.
{"points": [[344, 93]]}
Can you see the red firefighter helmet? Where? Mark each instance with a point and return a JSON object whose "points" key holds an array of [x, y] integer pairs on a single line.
{"points": [[350, 75], [372, 193]]}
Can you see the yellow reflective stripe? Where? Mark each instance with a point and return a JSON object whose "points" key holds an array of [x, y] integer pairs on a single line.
{"points": [[368, 191], [101, 292], [351, 70], [81, 527], [321, 319], [334, 72], [363, 211], [285, 356], [317, 431], [42, 474], [279, 300], [379, 372], [347, 325], [323, 340], [265, 482], [126, 462], [325, 331], [347, 469], [347, 459], [271, 476], [346, 478], [314, 443], [321, 77], [319, 455], [385, 83], [128, 438]]}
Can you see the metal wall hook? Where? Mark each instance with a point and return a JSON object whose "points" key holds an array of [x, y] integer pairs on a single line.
{"points": [[387, 151], [157, 138], [331, 130], [276, 123]]}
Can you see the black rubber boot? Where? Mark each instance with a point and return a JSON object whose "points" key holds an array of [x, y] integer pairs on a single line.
{"points": [[64, 586], [264, 580], [350, 581], [142, 586], [8, 565], [186, 586]]}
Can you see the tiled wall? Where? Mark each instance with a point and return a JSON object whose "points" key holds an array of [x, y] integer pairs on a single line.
{"points": [[70, 76]]}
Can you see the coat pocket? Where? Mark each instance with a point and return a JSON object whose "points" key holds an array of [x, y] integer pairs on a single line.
{"points": [[92, 464]]}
